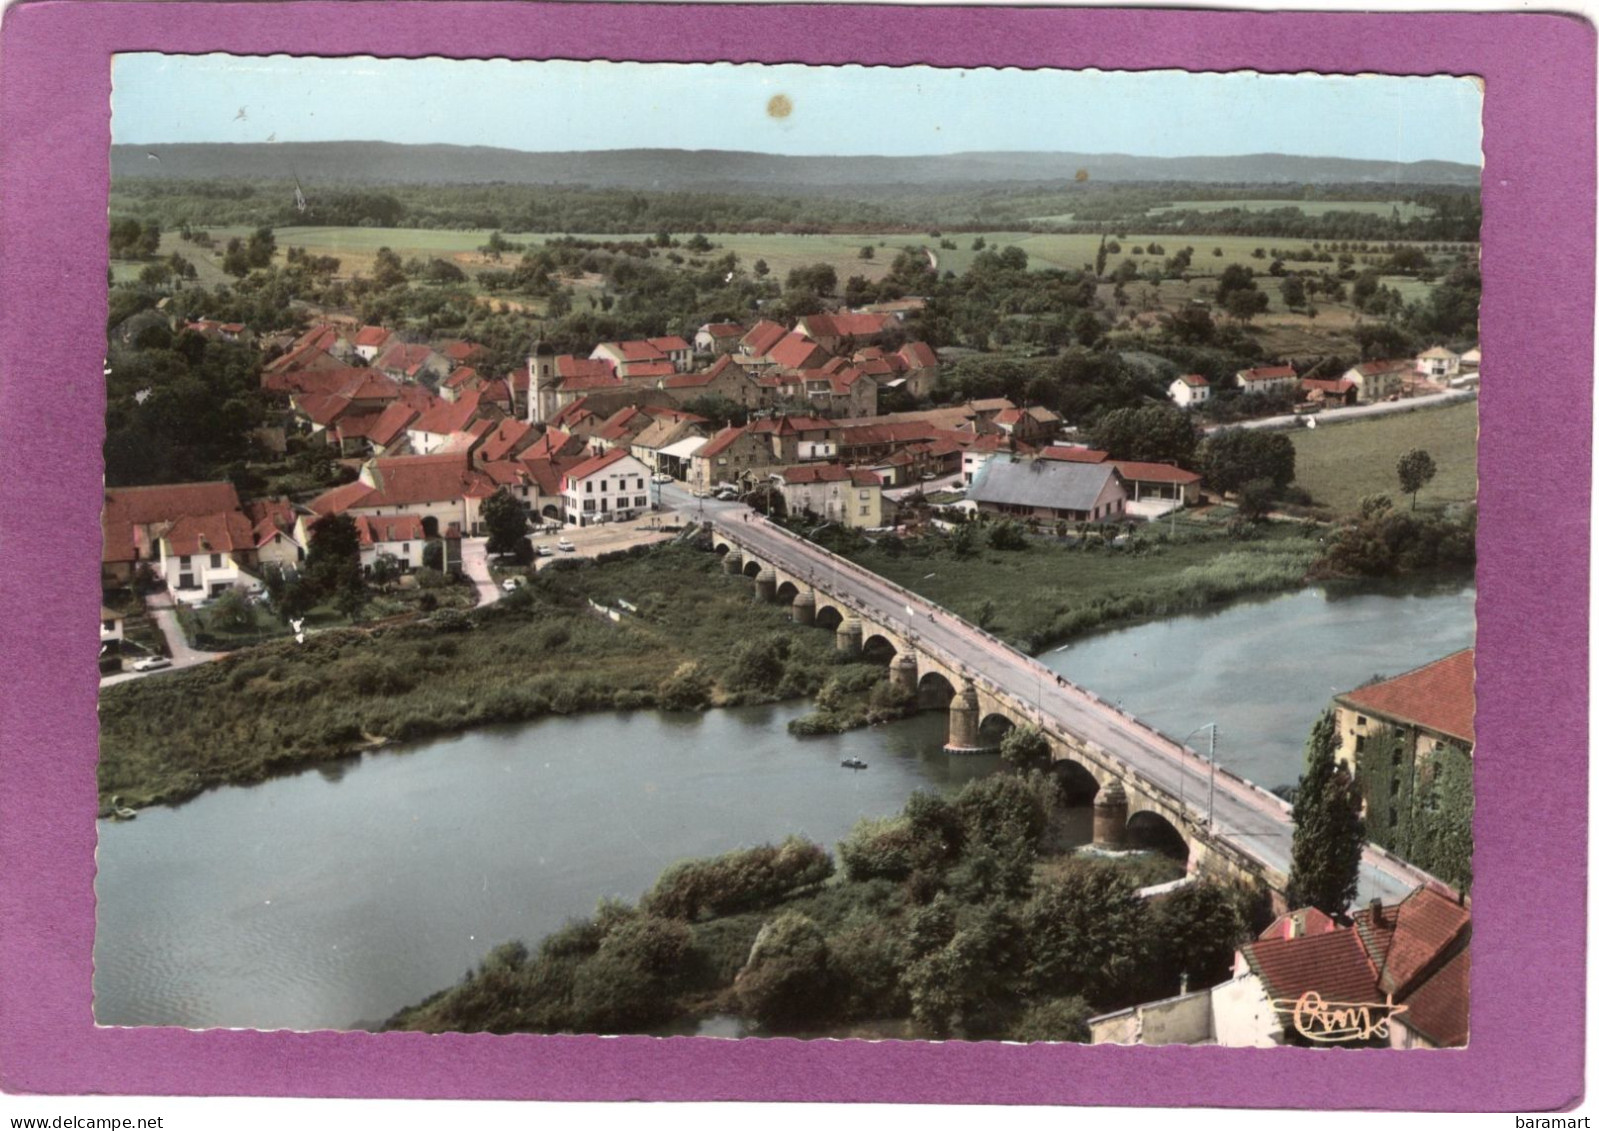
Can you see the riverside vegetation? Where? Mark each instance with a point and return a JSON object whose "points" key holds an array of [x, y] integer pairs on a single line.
{"points": [[961, 916]]}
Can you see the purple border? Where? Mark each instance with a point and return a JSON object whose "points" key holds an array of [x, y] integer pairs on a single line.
{"points": [[1528, 977]]}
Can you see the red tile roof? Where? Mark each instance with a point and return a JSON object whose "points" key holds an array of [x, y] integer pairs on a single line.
{"points": [[392, 421], [1326, 385], [408, 359], [508, 437], [919, 355], [1194, 381], [590, 383], [568, 367], [446, 416], [373, 529], [303, 357], [623, 423], [797, 352], [1376, 368], [661, 368], [816, 473], [408, 480], [128, 507], [1439, 696], [465, 375], [1153, 472], [671, 344], [1073, 454], [719, 443], [1440, 1009], [1333, 964], [762, 337], [459, 351], [219, 533], [845, 325], [723, 329]]}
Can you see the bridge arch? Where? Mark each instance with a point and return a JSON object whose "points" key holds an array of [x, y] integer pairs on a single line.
{"points": [[878, 649], [786, 592], [993, 727], [934, 691], [1150, 830], [752, 567], [552, 511], [720, 549], [1076, 780], [829, 616]]}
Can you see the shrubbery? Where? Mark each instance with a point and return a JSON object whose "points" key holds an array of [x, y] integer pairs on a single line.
{"points": [[738, 881]]}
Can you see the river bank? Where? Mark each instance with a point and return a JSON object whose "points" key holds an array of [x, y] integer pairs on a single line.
{"points": [[694, 639]]}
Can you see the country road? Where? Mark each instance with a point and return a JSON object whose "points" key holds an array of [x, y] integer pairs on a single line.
{"points": [[1253, 820]]}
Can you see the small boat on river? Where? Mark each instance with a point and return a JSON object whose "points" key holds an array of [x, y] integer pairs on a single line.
{"points": [[853, 764]]}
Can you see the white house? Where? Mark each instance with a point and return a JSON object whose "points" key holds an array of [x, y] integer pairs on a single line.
{"points": [[1268, 379], [851, 496], [1189, 389], [398, 536], [110, 626], [612, 487], [1438, 362], [204, 556]]}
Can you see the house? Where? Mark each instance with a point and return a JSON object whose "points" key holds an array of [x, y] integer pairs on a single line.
{"points": [[1157, 488], [554, 383], [843, 333], [627, 359], [612, 487], [718, 337], [1268, 379], [619, 429], [980, 449], [795, 352], [1033, 425], [797, 439], [111, 626], [1415, 954], [507, 439], [445, 487], [397, 536], [369, 341], [327, 337], [758, 342], [834, 493], [1438, 363], [1188, 390], [650, 447], [1427, 710], [732, 455], [1472, 359], [1049, 490], [458, 351], [203, 556], [304, 358], [215, 331], [723, 379], [133, 519], [406, 362], [431, 430], [1378, 380], [1326, 391]]}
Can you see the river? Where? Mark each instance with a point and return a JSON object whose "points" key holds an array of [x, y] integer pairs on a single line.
{"points": [[332, 898]]}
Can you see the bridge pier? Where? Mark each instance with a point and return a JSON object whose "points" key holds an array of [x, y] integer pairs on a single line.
{"points": [[848, 638], [804, 609], [963, 722], [902, 672], [733, 562], [1110, 816], [766, 585]]}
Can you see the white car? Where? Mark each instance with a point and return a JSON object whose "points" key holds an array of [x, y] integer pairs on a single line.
{"points": [[510, 584], [565, 546], [152, 663], [543, 551], [661, 477]]}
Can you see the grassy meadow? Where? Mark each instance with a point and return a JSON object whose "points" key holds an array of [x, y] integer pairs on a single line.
{"points": [[1341, 463]]}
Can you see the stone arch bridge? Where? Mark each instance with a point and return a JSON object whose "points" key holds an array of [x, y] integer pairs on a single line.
{"points": [[1147, 790]]}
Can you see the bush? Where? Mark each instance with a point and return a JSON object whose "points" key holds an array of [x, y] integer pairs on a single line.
{"points": [[1059, 1019], [1024, 746], [1006, 810], [738, 881], [1086, 933], [686, 689], [1007, 535], [788, 978]]}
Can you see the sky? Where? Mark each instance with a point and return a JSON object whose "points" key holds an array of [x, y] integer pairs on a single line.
{"points": [[888, 111]]}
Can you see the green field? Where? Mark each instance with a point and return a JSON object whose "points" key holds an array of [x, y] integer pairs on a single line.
{"points": [[1341, 463], [1408, 210]]}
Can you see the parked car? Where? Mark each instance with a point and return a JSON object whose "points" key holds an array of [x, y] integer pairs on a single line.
{"points": [[565, 546], [510, 584], [151, 663], [661, 477], [543, 551]]}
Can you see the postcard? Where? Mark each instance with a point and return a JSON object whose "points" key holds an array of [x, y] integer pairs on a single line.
{"points": [[992, 559]]}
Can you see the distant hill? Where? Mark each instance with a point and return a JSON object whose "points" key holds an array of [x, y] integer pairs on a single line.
{"points": [[375, 162]]}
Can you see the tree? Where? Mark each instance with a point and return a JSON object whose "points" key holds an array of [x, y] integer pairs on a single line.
{"points": [[1195, 931], [1024, 746], [1416, 470], [1086, 934], [261, 247], [235, 259], [387, 270], [760, 268], [1152, 433], [433, 555], [333, 559], [1329, 834], [1255, 499], [867, 251], [1293, 290], [505, 520], [1230, 459], [1100, 256]]}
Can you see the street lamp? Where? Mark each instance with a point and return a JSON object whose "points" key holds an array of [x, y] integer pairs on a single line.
{"points": [[1210, 814]]}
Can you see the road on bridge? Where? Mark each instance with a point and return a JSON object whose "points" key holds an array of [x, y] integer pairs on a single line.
{"points": [[1250, 819]]}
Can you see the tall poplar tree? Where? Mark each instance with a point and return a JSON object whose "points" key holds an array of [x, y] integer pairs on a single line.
{"points": [[1328, 831]]}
